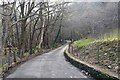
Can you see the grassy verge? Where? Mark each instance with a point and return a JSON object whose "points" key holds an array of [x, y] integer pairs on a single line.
{"points": [[83, 42]]}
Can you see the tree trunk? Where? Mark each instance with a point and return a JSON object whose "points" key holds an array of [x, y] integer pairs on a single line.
{"points": [[42, 33]]}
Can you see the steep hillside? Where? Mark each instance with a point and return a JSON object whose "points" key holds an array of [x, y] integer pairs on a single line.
{"points": [[101, 53]]}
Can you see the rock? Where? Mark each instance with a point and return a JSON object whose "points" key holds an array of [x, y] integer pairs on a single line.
{"points": [[96, 62], [105, 54], [116, 68], [86, 73], [13, 63], [109, 67]]}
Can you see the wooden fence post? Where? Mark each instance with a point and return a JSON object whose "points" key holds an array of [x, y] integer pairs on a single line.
{"points": [[72, 49], [69, 48]]}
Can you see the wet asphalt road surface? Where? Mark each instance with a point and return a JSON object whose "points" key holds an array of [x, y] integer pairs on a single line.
{"points": [[49, 65]]}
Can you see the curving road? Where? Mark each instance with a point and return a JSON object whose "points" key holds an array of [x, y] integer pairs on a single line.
{"points": [[48, 65]]}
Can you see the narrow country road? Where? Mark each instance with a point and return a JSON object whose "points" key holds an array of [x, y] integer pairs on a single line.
{"points": [[48, 65]]}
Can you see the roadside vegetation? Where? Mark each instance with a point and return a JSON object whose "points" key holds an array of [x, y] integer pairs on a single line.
{"points": [[83, 42], [106, 37], [102, 52]]}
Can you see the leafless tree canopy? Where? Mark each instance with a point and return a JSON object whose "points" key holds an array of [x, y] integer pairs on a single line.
{"points": [[29, 26]]}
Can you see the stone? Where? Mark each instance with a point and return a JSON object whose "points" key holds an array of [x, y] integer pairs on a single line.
{"points": [[109, 67]]}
